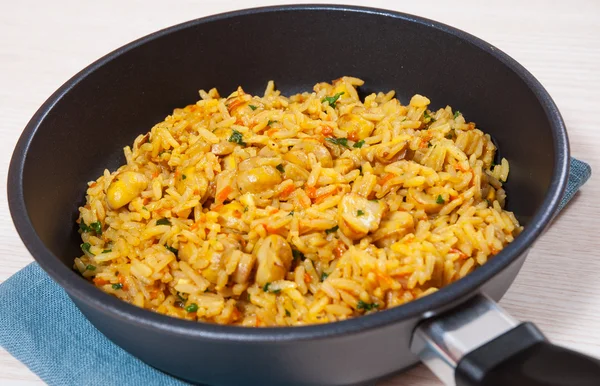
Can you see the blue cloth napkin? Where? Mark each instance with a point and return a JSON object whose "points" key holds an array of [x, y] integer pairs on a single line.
{"points": [[41, 327]]}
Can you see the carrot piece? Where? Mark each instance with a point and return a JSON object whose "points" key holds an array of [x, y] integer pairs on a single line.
{"points": [[100, 281], [311, 191], [327, 131], [307, 278], [222, 195], [287, 191], [385, 178]]}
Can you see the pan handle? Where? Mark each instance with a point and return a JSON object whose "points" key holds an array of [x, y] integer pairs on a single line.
{"points": [[479, 344]]}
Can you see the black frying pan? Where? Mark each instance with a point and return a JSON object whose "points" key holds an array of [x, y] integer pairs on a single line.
{"points": [[466, 338]]}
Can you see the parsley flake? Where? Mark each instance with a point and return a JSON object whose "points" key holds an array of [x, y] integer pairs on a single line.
{"points": [[359, 144], [456, 114], [338, 141], [173, 250], [366, 306], [163, 221], [324, 276], [280, 168], [237, 137], [332, 100], [360, 213], [90, 268], [86, 247], [332, 230], [117, 286], [440, 200], [252, 107]]}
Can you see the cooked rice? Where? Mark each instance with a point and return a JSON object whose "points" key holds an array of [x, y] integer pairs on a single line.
{"points": [[273, 210]]}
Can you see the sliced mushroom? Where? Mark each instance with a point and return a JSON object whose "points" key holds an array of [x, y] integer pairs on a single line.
{"points": [[258, 179], [244, 268], [124, 188], [358, 216], [393, 227], [274, 256]]}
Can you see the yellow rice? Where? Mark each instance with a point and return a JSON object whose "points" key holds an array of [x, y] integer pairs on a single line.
{"points": [[314, 208]]}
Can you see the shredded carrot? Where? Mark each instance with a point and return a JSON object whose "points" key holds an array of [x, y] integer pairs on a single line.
{"points": [[222, 195], [93, 184], [155, 174], [272, 131], [353, 136], [311, 191], [196, 192], [386, 178], [195, 225], [307, 278], [327, 131], [258, 321], [217, 207], [100, 281], [237, 214], [177, 173], [460, 253], [340, 249], [153, 294], [287, 191]]}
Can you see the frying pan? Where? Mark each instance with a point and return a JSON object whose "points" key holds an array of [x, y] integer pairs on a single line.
{"points": [[459, 331]]}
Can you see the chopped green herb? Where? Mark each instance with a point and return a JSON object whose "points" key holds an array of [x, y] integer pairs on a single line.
{"points": [[332, 230], [280, 168], [163, 221], [90, 268], [248, 297], [456, 114], [180, 297], [276, 292], [291, 213], [429, 144], [107, 251], [324, 276], [93, 227], [192, 307], [270, 122], [332, 100], [359, 144], [440, 199], [428, 118], [374, 200], [143, 207], [183, 176], [83, 227], [117, 286], [488, 202], [245, 209], [338, 141], [266, 287], [366, 306], [86, 247], [237, 137], [175, 251], [298, 255], [450, 134], [287, 313], [252, 107], [360, 213]]}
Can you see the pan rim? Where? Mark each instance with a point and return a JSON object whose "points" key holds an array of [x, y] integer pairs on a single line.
{"points": [[85, 292]]}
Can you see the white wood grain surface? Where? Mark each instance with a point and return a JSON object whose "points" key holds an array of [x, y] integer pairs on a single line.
{"points": [[42, 44]]}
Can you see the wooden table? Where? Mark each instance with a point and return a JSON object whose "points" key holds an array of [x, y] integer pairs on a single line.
{"points": [[42, 44]]}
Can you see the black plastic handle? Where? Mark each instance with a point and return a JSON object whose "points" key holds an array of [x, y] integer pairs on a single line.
{"points": [[523, 357]]}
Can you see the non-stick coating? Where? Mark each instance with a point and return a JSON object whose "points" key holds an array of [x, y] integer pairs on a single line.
{"points": [[82, 128]]}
